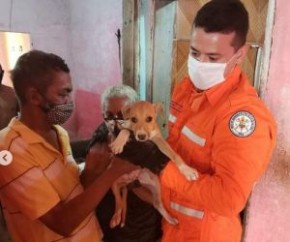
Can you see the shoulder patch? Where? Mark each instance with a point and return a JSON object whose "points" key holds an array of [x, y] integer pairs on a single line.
{"points": [[242, 124]]}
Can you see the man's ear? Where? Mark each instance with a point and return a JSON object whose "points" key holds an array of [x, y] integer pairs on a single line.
{"points": [[237, 59], [242, 52], [32, 96]]}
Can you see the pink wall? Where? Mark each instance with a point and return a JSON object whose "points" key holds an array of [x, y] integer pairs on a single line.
{"points": [[95, 59], [269, 207]]}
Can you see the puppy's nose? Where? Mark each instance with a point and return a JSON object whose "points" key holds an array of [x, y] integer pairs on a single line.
{"points": [[141, 137]]}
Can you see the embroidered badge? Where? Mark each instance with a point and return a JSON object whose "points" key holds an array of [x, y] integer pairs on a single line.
{"points": [[5, 157], [242, 124]]}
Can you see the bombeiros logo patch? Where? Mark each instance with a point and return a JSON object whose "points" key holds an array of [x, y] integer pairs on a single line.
{"points": [[242, 124]]}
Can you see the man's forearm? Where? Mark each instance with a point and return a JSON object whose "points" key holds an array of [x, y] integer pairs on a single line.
{"points": [[65, 217]]}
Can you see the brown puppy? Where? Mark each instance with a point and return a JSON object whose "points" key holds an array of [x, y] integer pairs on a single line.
{"points": [[141, 118]]}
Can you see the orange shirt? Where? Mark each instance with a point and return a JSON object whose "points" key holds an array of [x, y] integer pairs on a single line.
{"points": [[228, 135], [35, 178]]}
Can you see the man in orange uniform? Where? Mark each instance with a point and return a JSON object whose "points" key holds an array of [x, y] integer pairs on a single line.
{"points": [[219, 126], [41, 192]]}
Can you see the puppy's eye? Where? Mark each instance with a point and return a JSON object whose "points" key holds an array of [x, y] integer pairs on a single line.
{"points": [[134, 120], [149, 119]]}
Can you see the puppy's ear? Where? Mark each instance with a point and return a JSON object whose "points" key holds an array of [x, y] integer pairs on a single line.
{"points": [[159, 108], [126, 111]]}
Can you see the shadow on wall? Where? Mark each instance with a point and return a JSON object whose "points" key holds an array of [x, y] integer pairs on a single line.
{"points": [[86, 117]]}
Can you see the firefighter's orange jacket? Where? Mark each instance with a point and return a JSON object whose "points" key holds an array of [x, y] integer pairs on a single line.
{"points": [[228, 135]]}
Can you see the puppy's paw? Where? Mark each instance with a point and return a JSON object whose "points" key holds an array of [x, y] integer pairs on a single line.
{"points": [[190, 173], [118, 144], [116, 219], [171, 220], [116, 148], [159, 206]]}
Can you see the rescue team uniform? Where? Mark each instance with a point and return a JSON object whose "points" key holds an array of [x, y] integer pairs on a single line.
{"points": [[228, 135], [34, 177]]}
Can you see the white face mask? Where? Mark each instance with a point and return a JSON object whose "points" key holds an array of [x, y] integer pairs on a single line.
{"points": [[205, 75]]}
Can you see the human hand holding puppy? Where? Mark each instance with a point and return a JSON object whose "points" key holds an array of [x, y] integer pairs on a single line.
{"points": [[100, 159]]}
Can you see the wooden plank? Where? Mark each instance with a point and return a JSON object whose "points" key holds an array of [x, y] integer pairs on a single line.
{"points": [[146, 42], [128, 41], [163, 49]]}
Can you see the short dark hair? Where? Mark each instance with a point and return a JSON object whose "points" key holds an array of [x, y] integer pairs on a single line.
{"points": [[224, 16], [35, 68]]}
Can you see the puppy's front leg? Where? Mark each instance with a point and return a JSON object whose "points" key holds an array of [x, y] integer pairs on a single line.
{"points": [[118, 144], [187, 171]]}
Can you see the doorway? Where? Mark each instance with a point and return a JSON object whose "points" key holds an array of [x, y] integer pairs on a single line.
{"points": [[12, 45]]}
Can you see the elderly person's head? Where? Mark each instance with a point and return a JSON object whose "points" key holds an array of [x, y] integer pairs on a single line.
{"points": [[113, 100]]}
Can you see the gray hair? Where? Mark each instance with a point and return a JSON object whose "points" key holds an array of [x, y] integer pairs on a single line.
{"points": [[118, 91]]}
